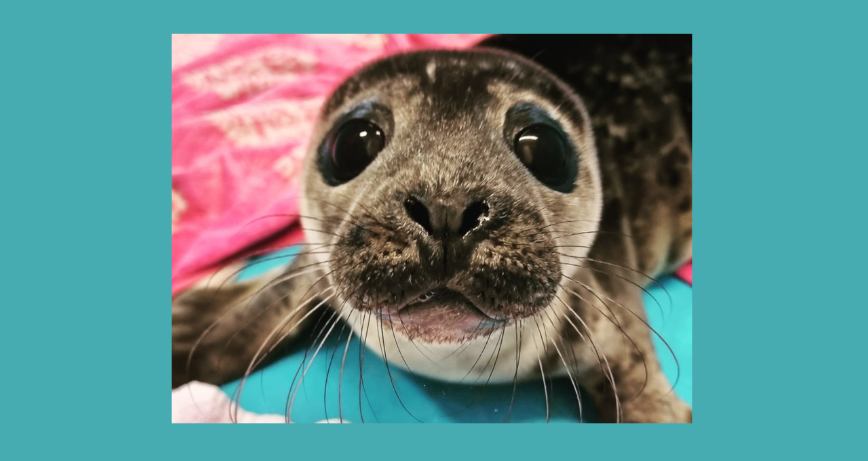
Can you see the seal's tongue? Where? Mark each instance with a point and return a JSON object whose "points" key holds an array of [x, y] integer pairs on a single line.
{"points": [[444, 315]]}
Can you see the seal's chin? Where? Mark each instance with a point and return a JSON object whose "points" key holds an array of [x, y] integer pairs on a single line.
{"points": [[440, 316]]}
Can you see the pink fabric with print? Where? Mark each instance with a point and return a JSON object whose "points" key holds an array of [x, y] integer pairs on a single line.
{"points": [[243, 108]]}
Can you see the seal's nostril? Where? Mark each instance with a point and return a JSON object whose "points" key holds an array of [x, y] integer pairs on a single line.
{"points": [[473, 216], [419, 213]]}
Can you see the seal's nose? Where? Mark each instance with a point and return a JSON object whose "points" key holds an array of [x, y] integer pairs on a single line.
{"points": [[445, 219]]}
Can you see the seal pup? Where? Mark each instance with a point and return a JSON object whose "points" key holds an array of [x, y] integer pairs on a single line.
{"points": [[476, 205]]}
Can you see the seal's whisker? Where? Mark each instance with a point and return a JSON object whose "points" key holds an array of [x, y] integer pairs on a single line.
{"points": [[398, 346], [598, 231], [654, 331], [248, 265], [472, 367], [569, 368], [300, 381], [381, 336], [615, 322], [363, 319], [335, 313], [269, 307], [304, 359], [652, 279], [611, 375], [545, 389], [319, 333], [517, 361], [466, 344], [315, 283], [344, 325], [225, 315], [542, 372], [288, 276], [253, 362], [496, 356], [341, 374], [644, 290], [282, 337], [600, 357], [573, 359], [611, 317], [366, 326], [540, 229]]}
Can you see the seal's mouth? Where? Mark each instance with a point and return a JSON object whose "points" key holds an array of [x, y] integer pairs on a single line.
{"points": [[441, 315]]}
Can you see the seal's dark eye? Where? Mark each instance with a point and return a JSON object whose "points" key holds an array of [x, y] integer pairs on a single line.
{"points": [[353, 147], [544, 152]]}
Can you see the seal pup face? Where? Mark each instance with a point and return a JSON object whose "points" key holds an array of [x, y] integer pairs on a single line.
{"points": [[449, 191]]}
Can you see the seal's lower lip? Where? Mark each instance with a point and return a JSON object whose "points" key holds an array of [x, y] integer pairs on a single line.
{"points": [[441, 315]]}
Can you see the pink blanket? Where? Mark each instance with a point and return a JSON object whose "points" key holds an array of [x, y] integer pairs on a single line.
{"points": [[242, 110]]}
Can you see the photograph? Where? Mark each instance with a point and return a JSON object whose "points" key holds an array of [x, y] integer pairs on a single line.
{"points": [[429, 228]]}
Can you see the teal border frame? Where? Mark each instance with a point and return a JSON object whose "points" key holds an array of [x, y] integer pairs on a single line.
{"points": [[779, 95]]}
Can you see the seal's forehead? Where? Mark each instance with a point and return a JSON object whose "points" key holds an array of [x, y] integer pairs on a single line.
{"points": [[458, 78]]}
